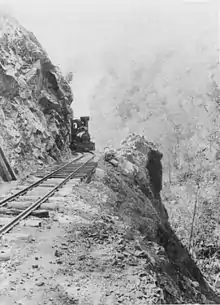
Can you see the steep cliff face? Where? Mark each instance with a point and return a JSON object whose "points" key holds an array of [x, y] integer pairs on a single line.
{"points": [[34, 100], [133, 175]]}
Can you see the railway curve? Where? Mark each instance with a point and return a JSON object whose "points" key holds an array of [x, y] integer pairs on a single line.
{"points": [[62, 175]]}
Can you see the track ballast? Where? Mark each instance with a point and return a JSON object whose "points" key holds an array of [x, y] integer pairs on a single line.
{"points": [[47, 186]]}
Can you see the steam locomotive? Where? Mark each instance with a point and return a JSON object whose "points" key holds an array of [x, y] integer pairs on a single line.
{"points": [[80, 140]]}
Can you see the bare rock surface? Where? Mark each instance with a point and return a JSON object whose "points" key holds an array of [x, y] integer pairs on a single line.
{"points": [[34, 100], [109, 243]]}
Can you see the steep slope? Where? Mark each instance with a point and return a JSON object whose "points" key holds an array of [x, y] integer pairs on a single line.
{"points": [[133, 177], [34, 100]]}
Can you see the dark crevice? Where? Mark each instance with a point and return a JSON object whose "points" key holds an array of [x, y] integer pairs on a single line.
{"points": [[154, 168]]}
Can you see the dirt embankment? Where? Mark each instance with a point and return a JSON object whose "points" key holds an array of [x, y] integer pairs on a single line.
{"points": [[34, 100], [108, 243]]}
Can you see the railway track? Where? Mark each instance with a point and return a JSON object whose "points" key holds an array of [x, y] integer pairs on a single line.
{"points": [[46, 186]]}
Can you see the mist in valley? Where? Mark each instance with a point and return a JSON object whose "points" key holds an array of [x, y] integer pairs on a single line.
{"points": [[141, 66], [158, 74]]}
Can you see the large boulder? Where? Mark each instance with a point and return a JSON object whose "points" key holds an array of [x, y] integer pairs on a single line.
{"points": [[35, 100]]}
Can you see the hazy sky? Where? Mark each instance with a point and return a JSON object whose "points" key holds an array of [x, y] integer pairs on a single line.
{"points": [[80, 35]]}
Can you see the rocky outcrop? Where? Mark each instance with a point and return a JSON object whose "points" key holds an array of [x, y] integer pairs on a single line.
{"points": [[34, 100], [133, 175]]}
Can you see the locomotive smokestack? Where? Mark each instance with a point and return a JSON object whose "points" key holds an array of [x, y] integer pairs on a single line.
{"points": [[85, 120]]}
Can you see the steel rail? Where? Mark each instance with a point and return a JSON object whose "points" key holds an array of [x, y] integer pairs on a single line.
{"points": [[37, 204], [28, 188]]}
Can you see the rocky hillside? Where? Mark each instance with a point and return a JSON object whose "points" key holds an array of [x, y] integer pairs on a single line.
{"points": [[148, 248], [34, 100]]}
